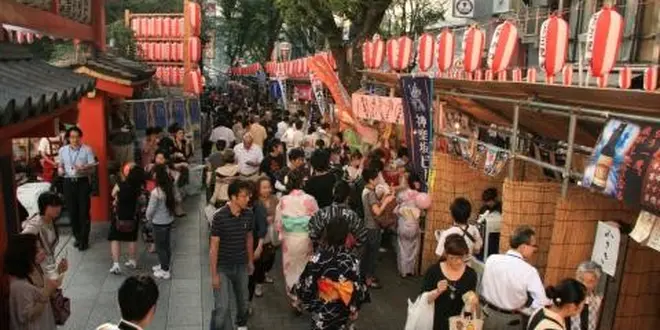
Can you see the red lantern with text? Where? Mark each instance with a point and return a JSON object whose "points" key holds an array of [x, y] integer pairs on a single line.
{"points": [[366, 54], [473, 47], [502, 47], [625, 77], [445, 50], [651, 78], [553, 45], [179, 24], [158, 27], [603, 41], [425, 52], [377, 52], [144, 26], [167, 27]]}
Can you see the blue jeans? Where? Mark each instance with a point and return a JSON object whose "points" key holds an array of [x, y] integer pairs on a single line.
{"points": [[232, 277], [370, 256]]}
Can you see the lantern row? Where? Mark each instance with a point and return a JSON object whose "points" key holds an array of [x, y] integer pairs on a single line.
{"points": [[174, 76], [297, 68], [167, 26], [170, 51]]}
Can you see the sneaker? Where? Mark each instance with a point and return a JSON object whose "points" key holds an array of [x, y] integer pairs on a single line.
{"points": [[269, 280], [162, 274], [258, 290], [382, 250], [242, 328], [156, 268], [115, 269], [132, 264]]}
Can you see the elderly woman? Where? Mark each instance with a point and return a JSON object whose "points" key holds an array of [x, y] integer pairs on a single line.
{"points": [[589, 274]]}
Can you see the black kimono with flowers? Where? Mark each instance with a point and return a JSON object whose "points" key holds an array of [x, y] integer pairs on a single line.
{"points": [[338, 265]]}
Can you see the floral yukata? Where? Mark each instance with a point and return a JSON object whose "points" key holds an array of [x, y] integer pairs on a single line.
{"points": [[331, 287]]}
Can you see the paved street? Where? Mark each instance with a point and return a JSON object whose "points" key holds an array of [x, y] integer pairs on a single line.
{"points": [[185, 301]]}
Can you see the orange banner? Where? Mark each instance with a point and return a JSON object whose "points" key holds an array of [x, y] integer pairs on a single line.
{"points": [[323, 71], [379, 108]]}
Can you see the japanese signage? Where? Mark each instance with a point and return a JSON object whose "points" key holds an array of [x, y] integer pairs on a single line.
{"points": [[379, 108], [302, 92], [417, 110], [463, 8], [626, 165], [317, 89], [606, 247]]}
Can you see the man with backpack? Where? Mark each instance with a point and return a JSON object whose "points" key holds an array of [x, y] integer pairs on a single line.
{"points": [[461, 209]]}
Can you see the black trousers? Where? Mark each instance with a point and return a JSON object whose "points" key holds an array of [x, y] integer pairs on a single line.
{"points": [[77, 194], [261, 266]]}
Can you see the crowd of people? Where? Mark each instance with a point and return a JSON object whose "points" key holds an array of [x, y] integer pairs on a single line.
{"points": [[280, 182]]}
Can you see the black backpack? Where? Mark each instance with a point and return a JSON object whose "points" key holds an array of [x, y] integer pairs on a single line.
{"points": [[355, 198]]}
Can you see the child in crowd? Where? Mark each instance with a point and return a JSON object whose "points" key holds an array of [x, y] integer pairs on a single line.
{"points": [[331, 287]]}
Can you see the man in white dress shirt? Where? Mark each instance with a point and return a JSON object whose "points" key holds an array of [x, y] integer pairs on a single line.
{"points": [[511, 288], [248, 157]]}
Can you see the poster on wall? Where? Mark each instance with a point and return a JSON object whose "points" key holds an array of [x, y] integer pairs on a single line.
{"points": [[640, 183], [606, 247], [418, 122], [605, 167]]}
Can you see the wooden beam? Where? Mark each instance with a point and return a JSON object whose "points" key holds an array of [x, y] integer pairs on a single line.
{"points": [[114, 89], [15, 130], [45, 22]]}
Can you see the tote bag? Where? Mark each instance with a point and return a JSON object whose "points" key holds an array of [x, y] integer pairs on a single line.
{"points": [[420, 313], [461, 322]]}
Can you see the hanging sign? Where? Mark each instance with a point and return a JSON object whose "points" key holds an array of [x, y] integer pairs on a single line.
{"points": [[463, 8], [640, 183], [417, 109], [654, 237], [302, 92], [317, 89], [606, 247], [643, 226], [378, 108]]}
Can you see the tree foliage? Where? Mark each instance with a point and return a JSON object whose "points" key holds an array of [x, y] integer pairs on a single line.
{"points": [[325, 16], [249, 28], [411, 17]]}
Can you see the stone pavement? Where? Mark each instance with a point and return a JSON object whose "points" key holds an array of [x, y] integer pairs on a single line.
{"points": [[186, 300]]}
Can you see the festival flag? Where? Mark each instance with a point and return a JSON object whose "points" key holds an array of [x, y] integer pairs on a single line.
{"points": [[418, 122]]}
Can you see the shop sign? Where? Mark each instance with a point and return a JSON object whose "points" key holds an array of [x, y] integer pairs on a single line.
{"points": [[606, 247], [378, 108]]}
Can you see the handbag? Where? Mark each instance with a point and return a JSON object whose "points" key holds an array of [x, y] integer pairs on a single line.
{"points": [[461, 322], [61, 306], [420, 313]]}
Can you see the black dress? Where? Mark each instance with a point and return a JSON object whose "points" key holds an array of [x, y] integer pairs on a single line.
{"points": [[128, 199], [445, 306]]}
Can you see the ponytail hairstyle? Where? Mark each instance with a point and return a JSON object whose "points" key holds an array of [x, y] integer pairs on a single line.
{"points": [[164, 182], [568, 291]]}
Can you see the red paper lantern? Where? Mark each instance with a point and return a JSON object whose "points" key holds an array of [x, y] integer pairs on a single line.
{"points": [[603, 40], [501, 76], [158, 27], [425, 52], [603, 80], [478, 75], [567, 75], [195, 49], [195, 18], [366, 54], [167, 27], [531, 75], [651, 78], [167, 76], [445, 50], [625, 79], [502, 47], [151, 51], [135, 26], [488, 75], [473, 46], [159, 73], [516, 75], [151, 27], [377, 52], [158, 51], [144, 26], [166, 51], [553, 45], [399, 53], [178, 27]]}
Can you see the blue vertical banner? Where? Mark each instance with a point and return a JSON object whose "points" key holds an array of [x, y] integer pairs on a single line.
{"points": [[282, 83], [417, 114]]}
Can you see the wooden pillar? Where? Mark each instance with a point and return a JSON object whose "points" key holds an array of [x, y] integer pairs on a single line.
{"points": [[98, 23], [8, 224], [92, 119]]}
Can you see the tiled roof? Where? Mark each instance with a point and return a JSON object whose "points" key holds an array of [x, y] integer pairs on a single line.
{"points": [[122, 69], [30, 87]]}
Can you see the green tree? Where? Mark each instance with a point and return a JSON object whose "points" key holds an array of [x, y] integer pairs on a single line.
{"points": [[411, 17], [323, 16], [249, 28]]}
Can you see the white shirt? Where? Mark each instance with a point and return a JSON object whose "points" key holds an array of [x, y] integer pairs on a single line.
{"points": [[281, 128], [222, 133], [508, 278], [293, 138], [474, 246], [254, 154]]}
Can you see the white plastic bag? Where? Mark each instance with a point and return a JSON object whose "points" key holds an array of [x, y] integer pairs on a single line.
{"points": [[420, 313]]}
